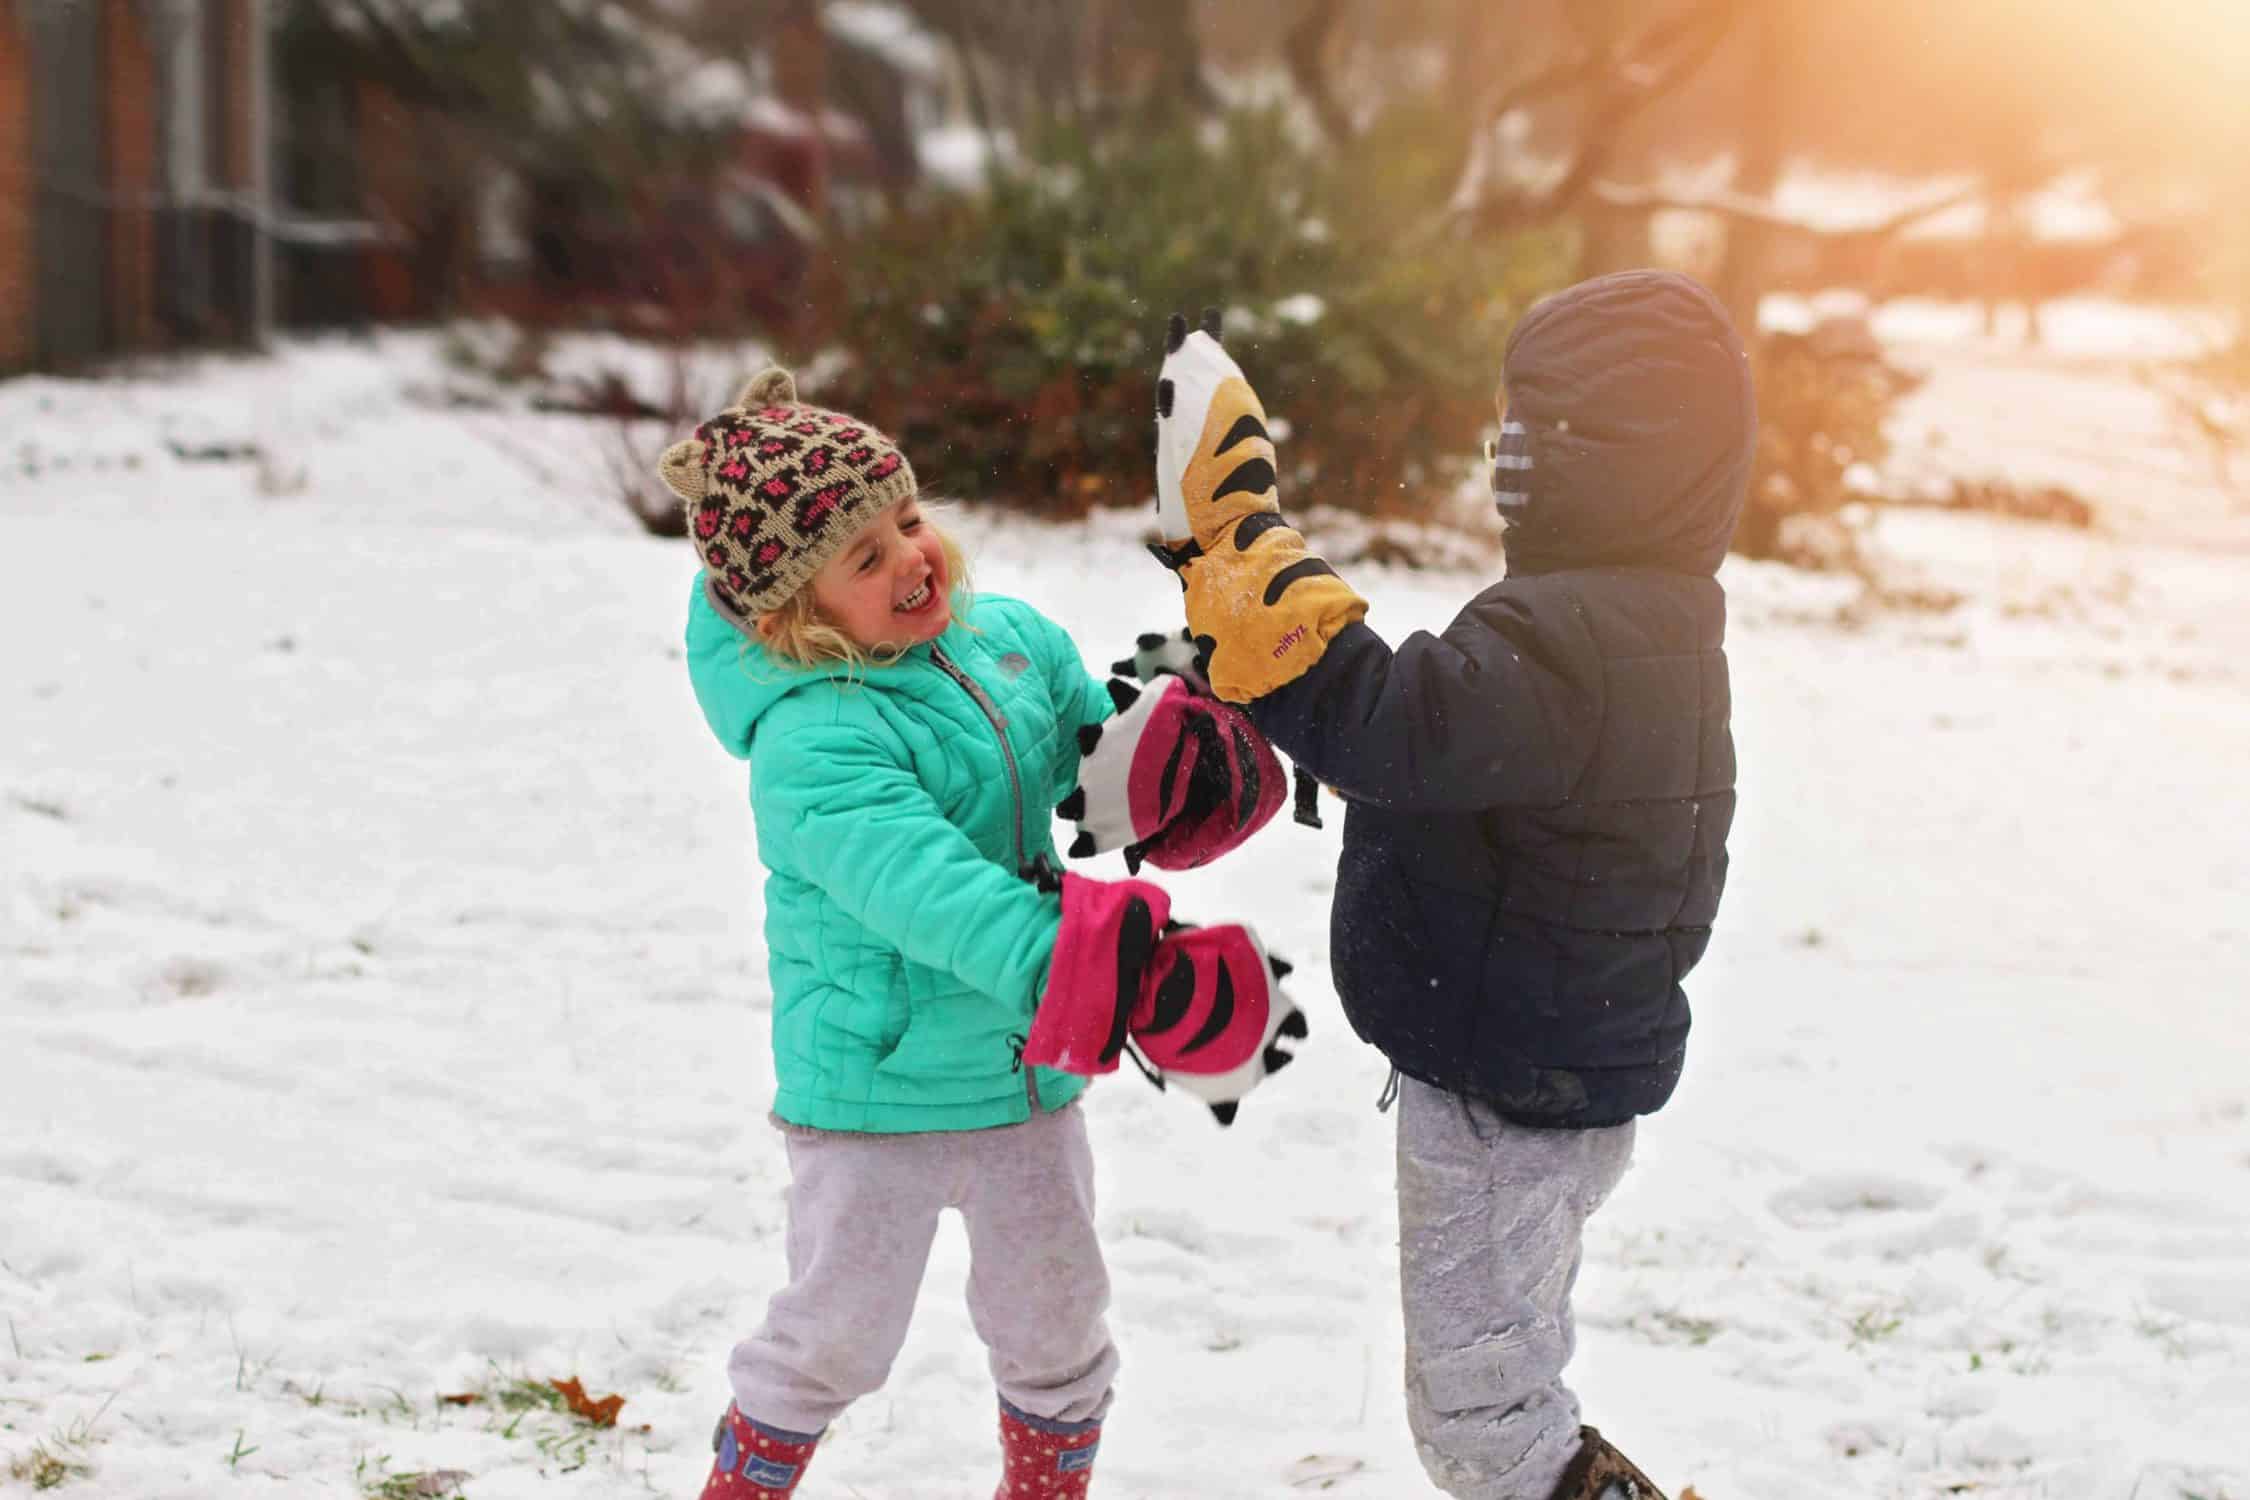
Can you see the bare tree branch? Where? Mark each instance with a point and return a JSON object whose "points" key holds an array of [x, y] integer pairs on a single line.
{"points": [[1630, 91], [1626, 81], [1735, 207]]}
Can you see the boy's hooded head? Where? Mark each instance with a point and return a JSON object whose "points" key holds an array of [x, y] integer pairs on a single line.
{"points": [[1638, 421]]}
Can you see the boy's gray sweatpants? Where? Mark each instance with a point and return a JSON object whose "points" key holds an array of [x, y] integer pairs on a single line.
{"points": [[1490, 1222], [863, 1211]]}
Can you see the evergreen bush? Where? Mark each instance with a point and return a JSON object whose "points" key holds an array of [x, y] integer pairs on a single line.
{"points": [[1010, 340]]}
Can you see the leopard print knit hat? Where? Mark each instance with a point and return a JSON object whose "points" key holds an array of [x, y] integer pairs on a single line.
{"points": [[774, 488]]}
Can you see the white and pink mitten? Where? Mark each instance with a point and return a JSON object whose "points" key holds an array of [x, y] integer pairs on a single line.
{"points": [[1202, 1007], [1212, 1015], [1176, 778]]}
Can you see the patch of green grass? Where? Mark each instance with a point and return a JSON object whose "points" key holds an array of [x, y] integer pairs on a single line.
{"points": [[520, 1397], [2167, 1333], [443, 1484], [570, 1448], [518, 1394], [513, 1405], [59, 1457], [45, 1467], [1666, 1326], [396, 1407], [1874, 1325]]}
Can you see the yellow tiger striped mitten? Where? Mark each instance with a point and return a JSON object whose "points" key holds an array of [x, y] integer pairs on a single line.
{"points": [[1261, 606]]}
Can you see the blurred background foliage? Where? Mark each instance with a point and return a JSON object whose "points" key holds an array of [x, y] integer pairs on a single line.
{"points": [[1011, 337], [970, 217]]}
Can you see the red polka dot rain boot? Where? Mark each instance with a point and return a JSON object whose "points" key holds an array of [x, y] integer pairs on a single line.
{"points": [[1043, 1460], [756, 1462]]}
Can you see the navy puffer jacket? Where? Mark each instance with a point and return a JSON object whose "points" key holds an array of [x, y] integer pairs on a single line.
{"points": [[1539, 798]]}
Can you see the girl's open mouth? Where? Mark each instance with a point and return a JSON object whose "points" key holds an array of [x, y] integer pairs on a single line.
{"points": [[917, 601]]}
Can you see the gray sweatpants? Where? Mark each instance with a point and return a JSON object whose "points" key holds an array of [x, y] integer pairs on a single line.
{"points": [[863, 1211], [1491, 1217]]}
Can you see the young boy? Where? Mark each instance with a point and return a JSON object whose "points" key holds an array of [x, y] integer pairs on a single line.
{"points": [[1538, 802]]}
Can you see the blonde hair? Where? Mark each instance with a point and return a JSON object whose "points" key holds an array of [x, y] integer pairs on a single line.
{"points": [[795, 631]]}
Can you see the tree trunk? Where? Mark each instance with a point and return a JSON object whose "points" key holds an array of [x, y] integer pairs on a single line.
{"points": [[1305, 49], [1741, 278], [1469, 62], [1169, 26]]}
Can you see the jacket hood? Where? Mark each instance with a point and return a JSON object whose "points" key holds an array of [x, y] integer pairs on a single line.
{"points": [[735, 680], [1636, 401]]}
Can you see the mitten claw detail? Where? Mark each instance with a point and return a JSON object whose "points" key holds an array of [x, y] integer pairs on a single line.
{"points": [[1266, 606], [1213, 1019], [1175, 777], [1157, 654]]}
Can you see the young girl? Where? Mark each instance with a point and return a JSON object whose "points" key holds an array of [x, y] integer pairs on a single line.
{"points": [[905, 744]]}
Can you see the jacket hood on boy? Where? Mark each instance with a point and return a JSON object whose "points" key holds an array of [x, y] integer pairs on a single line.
{"points": [[1636, 398]]}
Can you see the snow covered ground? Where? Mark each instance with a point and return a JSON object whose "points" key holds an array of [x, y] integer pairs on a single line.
{"points": [[381, 1004]]}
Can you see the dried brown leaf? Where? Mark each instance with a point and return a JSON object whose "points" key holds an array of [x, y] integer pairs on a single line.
{"points": [[602, 1413]]}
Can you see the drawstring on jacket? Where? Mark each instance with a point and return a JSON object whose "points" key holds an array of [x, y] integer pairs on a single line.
{"points": [[1389, 1096]]}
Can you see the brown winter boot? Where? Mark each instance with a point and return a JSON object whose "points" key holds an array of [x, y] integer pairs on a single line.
{"points": [[1600, 1472]]}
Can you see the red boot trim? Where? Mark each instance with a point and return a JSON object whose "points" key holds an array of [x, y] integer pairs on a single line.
{"points": [[755, 1462], [1045, 1460]]}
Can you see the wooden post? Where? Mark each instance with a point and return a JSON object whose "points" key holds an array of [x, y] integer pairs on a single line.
{"points": [[800, 65], [129, 173], [18, 230], [255, 39]]}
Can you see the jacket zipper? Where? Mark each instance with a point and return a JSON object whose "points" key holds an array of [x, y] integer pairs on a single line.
{"points": [[999, 723]]}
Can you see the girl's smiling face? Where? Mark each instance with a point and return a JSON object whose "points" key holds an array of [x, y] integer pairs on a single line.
{"points": [[887, 589]]}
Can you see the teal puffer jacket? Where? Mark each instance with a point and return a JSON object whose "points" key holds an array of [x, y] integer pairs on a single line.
{"points": [[893, 809]]}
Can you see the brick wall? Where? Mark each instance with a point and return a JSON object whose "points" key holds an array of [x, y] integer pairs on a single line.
{"points": [[16, 199], [391, 165], [129, 169]]}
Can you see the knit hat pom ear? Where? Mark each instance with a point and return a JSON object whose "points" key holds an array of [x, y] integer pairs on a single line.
{"points": [[772, 386], [681, 469]]}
